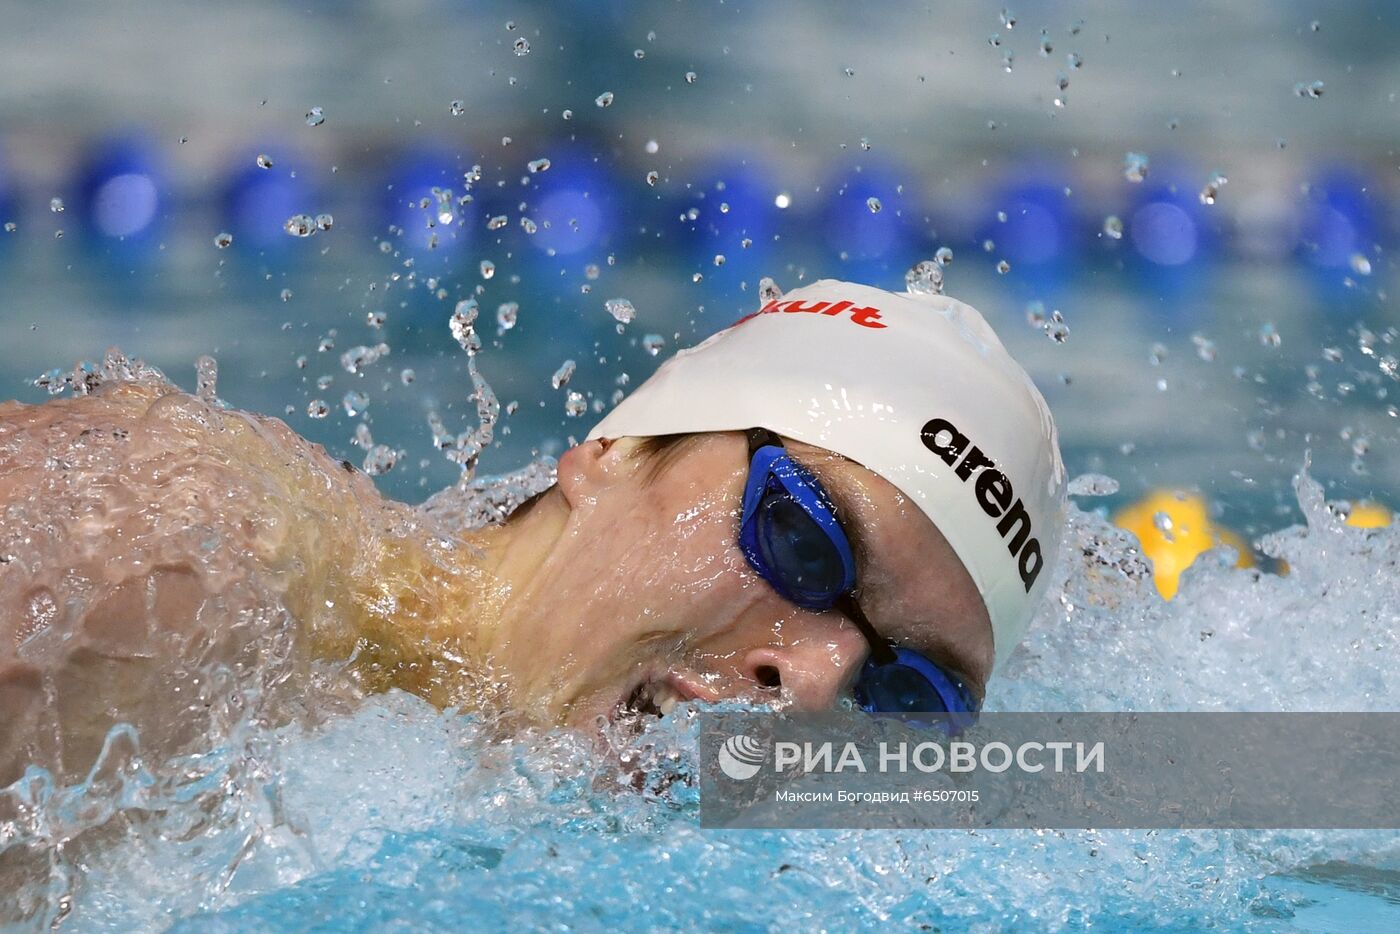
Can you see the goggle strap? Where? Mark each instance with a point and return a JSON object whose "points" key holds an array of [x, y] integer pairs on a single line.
{"points": [[880, 651]]}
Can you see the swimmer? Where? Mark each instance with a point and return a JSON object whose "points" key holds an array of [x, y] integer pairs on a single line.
{"points": [[851, 492]]}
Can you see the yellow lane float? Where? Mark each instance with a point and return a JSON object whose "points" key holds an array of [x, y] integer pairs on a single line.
{"points": [[1368, 515], [1174, 527]]}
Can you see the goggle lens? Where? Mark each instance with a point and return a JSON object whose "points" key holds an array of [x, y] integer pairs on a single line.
{"points": [[800, 558]]}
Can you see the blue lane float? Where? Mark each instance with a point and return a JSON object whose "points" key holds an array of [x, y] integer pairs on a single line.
{"points": [[1032, 227], [1340, 220], [422, 191], [575, 207], [122, 196], [257, 202], [735, 215], [872, 222], [1173, 239]]}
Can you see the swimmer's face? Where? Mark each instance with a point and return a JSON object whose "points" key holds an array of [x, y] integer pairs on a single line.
{"points": [[647, 599]]}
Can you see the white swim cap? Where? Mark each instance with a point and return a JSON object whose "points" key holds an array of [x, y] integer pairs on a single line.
{"points": [[914, 387]]}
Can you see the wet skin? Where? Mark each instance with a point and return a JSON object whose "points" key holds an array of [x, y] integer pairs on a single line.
{"points": [[149, 543]]}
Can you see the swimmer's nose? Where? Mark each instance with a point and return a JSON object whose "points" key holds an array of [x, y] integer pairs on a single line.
{"points": [[817, 662]]}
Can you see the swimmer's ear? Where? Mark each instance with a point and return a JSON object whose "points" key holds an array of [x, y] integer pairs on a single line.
{"points": [[587, 468]]}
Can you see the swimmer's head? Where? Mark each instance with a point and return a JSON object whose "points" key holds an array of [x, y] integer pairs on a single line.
{"points": [[915, 388], [939, 454]]}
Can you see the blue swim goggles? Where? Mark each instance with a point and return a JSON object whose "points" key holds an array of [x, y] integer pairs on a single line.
{"points": [[792, 538]]}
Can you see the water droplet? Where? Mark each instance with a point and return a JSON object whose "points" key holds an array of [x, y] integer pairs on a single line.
{"points": [[943, 256], [375, 319], [924, 278], [1074, 60], [639, 54], [56, 205], [652, 343], [988, 246], [567, 115], [1007, 19], [522, 46], [497, 222], [206, 370], [315, 116], [300, 225], [538, 165], [1056, 329], [1212, 188], [575, 405], [782, 201], [653, 177], [317, 408], [621, 310], [1035, 314], [604, 100], [1360, 264], [223, 240], [768, 290], [865, 143], [1269, 335], [719, 259], [324, 222], [11, 226], [356, 359], [461, 325], [691, 77], [850, 72], [873, 204], [591, 272], [407, 376], [354, 402], [1092, 484], [1045, 47], [457, 108], [488, 269], [528, 225], [1310, 90], [1113, 227], [562, 375], [1003, 267], [380, 460], [1135, 166], [264, 161], [1205, 348], [506, 315]]}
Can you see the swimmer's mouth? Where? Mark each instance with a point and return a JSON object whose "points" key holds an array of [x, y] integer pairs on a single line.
{"points": [[655, 698]]}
